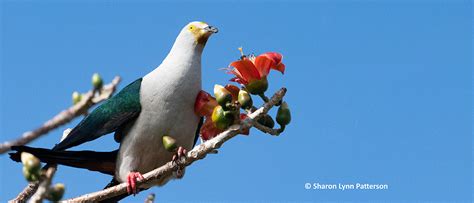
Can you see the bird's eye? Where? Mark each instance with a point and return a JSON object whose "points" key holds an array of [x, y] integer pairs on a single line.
{"points": [[191, 27]]}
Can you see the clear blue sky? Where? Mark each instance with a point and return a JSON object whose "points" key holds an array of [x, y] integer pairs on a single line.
{"points": [[380, 92]]}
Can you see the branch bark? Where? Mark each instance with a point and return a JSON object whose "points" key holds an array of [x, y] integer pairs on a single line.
{"points": [[89, 99], [199, 152], [44, 185], [65, 116]]}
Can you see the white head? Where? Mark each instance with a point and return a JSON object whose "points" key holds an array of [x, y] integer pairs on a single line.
{"points": [[195, 34]]}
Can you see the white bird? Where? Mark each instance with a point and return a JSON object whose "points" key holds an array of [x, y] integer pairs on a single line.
{"points": [[161, 103]]}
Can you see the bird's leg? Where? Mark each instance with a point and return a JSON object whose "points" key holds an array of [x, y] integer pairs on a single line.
{"points": [[180, 152], [132, 178]]}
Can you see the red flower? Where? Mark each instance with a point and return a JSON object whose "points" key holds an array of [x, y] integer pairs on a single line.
{"points": [[204, 104], [252, 71]]}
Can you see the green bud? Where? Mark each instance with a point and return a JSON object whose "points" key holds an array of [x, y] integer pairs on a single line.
{"points": [[223, 96], [266, 120], [169, 143], [76, 97], [97, 81], [222, 119], [151, 197], [30, 162], [30, 176], [258, 86], [245, 99], [283, 115], [56, 192]]}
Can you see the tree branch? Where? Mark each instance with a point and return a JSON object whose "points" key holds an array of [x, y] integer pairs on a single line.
{"points": [[89, 99], [199, 152], [65, 116], [44, 185]]}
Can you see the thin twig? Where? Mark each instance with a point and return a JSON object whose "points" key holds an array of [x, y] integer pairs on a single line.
{"points": [[199, 152], [44, 185], [65, 116], [89, 99]]}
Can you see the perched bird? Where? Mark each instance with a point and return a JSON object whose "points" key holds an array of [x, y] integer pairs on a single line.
{"points": [[161, 103]]}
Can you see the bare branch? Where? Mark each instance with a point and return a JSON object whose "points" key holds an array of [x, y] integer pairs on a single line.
{"points": [[199, 152], [64, 117], [44, 185], [89, 99], [24, 195]]}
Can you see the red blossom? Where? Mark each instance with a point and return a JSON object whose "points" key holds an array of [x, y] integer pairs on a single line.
{"points": [[204, 104], [252, 69]]}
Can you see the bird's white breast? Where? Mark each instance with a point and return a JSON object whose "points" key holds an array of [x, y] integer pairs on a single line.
{"points": [[167, 99]]}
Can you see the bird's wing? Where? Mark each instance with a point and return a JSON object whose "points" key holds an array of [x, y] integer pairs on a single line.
{"points": [[108, 117]]}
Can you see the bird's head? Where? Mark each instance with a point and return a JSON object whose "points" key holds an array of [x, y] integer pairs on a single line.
{"points": [[199, 31]]}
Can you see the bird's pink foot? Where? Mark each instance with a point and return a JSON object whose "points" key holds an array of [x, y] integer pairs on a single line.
{"points": [[181, 152], [132, 182]]}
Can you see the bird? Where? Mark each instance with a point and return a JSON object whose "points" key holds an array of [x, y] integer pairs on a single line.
{"points": [[158, 104]]}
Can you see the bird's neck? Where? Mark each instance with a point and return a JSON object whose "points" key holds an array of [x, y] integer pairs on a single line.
{"points": [[185, 50], [183, 60]]}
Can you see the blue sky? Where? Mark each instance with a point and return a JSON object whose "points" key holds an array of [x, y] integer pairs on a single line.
{"points": [[380, 92]]}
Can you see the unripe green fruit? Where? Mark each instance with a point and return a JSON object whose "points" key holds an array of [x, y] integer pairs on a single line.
{"points": [[30, 162], [222, 119], [267, 121], [283, 115], [76, 97], [169, 143], [30, 176], [258, 86], [97, 81], [223, 96], [245, 99], [56, 192]]}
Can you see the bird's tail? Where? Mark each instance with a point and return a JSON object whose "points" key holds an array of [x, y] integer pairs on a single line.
{"points": [[103, 162]]}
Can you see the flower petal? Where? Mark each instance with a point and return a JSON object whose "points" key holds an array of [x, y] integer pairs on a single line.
{"points": [[204, 104], [276, 58], [246, 69], [280, 67], [263, 64]]}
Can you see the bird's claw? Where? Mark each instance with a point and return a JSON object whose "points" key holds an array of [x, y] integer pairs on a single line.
{"points": [[181, 152], [132, 182]]}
